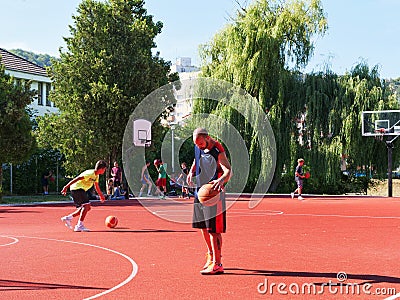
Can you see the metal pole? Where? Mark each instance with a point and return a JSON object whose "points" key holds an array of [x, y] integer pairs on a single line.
{"points": [[57, 177], [172, 145], [11, 179], [37, 178], [390, 155]]}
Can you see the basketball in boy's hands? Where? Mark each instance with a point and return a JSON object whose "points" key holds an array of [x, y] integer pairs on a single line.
{"points": [[307, 175], [111, 221], [207, 195]]}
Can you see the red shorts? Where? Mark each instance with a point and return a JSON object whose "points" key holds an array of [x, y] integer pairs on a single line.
{"points": [[161, 182]]}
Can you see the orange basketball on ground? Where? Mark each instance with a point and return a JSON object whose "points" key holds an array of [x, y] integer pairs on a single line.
{"points": [[207, 195], [111, 221]]}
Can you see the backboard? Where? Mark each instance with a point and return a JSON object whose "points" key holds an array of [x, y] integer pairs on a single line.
{"points": [[141, 133], [378, 123]]}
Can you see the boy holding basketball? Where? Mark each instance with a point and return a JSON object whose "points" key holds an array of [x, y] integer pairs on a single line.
{"points": [[298, 177], [215, 168], [78, 187]]}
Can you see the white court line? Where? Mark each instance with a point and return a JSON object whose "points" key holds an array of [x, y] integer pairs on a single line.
{"points": [[127, 280], [341, 216], [9, 237], [248, 213]]}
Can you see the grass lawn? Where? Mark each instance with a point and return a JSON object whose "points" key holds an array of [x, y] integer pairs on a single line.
{"points": [[380, 188], [32, 199]]}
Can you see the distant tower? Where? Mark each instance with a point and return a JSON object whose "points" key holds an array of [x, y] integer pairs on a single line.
{"points": [[183, 65]]}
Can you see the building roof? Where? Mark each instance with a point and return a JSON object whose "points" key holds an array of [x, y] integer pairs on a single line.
{"points": [[16, 63]]}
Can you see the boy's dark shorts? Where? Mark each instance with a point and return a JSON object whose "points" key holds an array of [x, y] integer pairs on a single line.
{"points": [[299, 182], [212, 218], [80, 197]]}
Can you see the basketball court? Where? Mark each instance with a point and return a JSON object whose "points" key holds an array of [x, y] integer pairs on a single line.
{"points": [[324, 247]]}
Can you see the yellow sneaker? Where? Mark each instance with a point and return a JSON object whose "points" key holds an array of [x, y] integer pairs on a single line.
{"points": [[213, 269]]}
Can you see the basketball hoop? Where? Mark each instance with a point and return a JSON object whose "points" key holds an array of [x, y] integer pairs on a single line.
{"points": [[141, 133], [380, 133], [144, 142]]}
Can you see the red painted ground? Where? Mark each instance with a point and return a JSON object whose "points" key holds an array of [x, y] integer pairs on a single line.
{"points": [[282, 242]]}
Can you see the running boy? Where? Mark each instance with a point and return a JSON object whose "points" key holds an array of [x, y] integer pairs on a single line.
{"points": [[78, 187], [298, 177]]}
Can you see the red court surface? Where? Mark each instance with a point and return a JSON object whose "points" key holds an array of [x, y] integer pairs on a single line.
{"points": [[320, 248]]}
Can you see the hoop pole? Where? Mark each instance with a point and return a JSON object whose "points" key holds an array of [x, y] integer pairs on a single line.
{"points": [[173, 147], [390, 146], [390, 181]]}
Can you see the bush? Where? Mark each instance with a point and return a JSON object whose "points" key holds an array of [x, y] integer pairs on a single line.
{"points": [[313, 185], [26, 177]]}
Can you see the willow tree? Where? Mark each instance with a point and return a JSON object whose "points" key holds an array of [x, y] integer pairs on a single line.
{"points": [[107, 68], [256, 51], [361, 90], [332, 123]]}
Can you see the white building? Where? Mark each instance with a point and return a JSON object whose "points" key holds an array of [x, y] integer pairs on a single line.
{"points": [[184, 65], [24, 70], [184, 96]]}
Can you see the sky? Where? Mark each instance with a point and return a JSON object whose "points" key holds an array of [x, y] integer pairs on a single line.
{"points": [[359, 30]]}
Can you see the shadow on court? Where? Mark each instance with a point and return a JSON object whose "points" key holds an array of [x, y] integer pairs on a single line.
{"points": [[366, 278], [12, 285]]}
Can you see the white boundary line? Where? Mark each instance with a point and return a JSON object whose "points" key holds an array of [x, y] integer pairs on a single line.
{"points": [[341, 216], [247, 213], [127, 280], [9, 237]]}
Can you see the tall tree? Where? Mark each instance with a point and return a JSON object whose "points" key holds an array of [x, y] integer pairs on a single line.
{"points": [[107, 69], [331, 128], [16, 137], [256, 52]]}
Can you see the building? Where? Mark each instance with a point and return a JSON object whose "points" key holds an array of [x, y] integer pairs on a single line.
{"points": [[24, 70], [184, 65], [184, 96]]}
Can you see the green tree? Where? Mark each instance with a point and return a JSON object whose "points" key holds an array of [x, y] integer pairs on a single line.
{"points": [[332, 107], [16, 137], [256, 52], [43, 60], [107, 69]]}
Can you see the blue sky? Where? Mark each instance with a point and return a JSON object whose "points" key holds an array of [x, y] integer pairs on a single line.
{"points": [[359, 30]]}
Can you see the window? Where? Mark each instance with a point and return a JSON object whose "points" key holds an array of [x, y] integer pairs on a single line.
{"points": [[48, 88], [40, 93]]}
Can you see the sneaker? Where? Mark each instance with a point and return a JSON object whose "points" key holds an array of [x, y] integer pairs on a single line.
{"points": [[81, 228], [300, 198], [292, 195], [209, 257], [67, 221], [213, 269]]}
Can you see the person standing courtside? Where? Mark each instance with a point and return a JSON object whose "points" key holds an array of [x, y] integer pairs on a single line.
{"points": [[145, 180], [298, 177], [215, 168], [116, 174]]}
